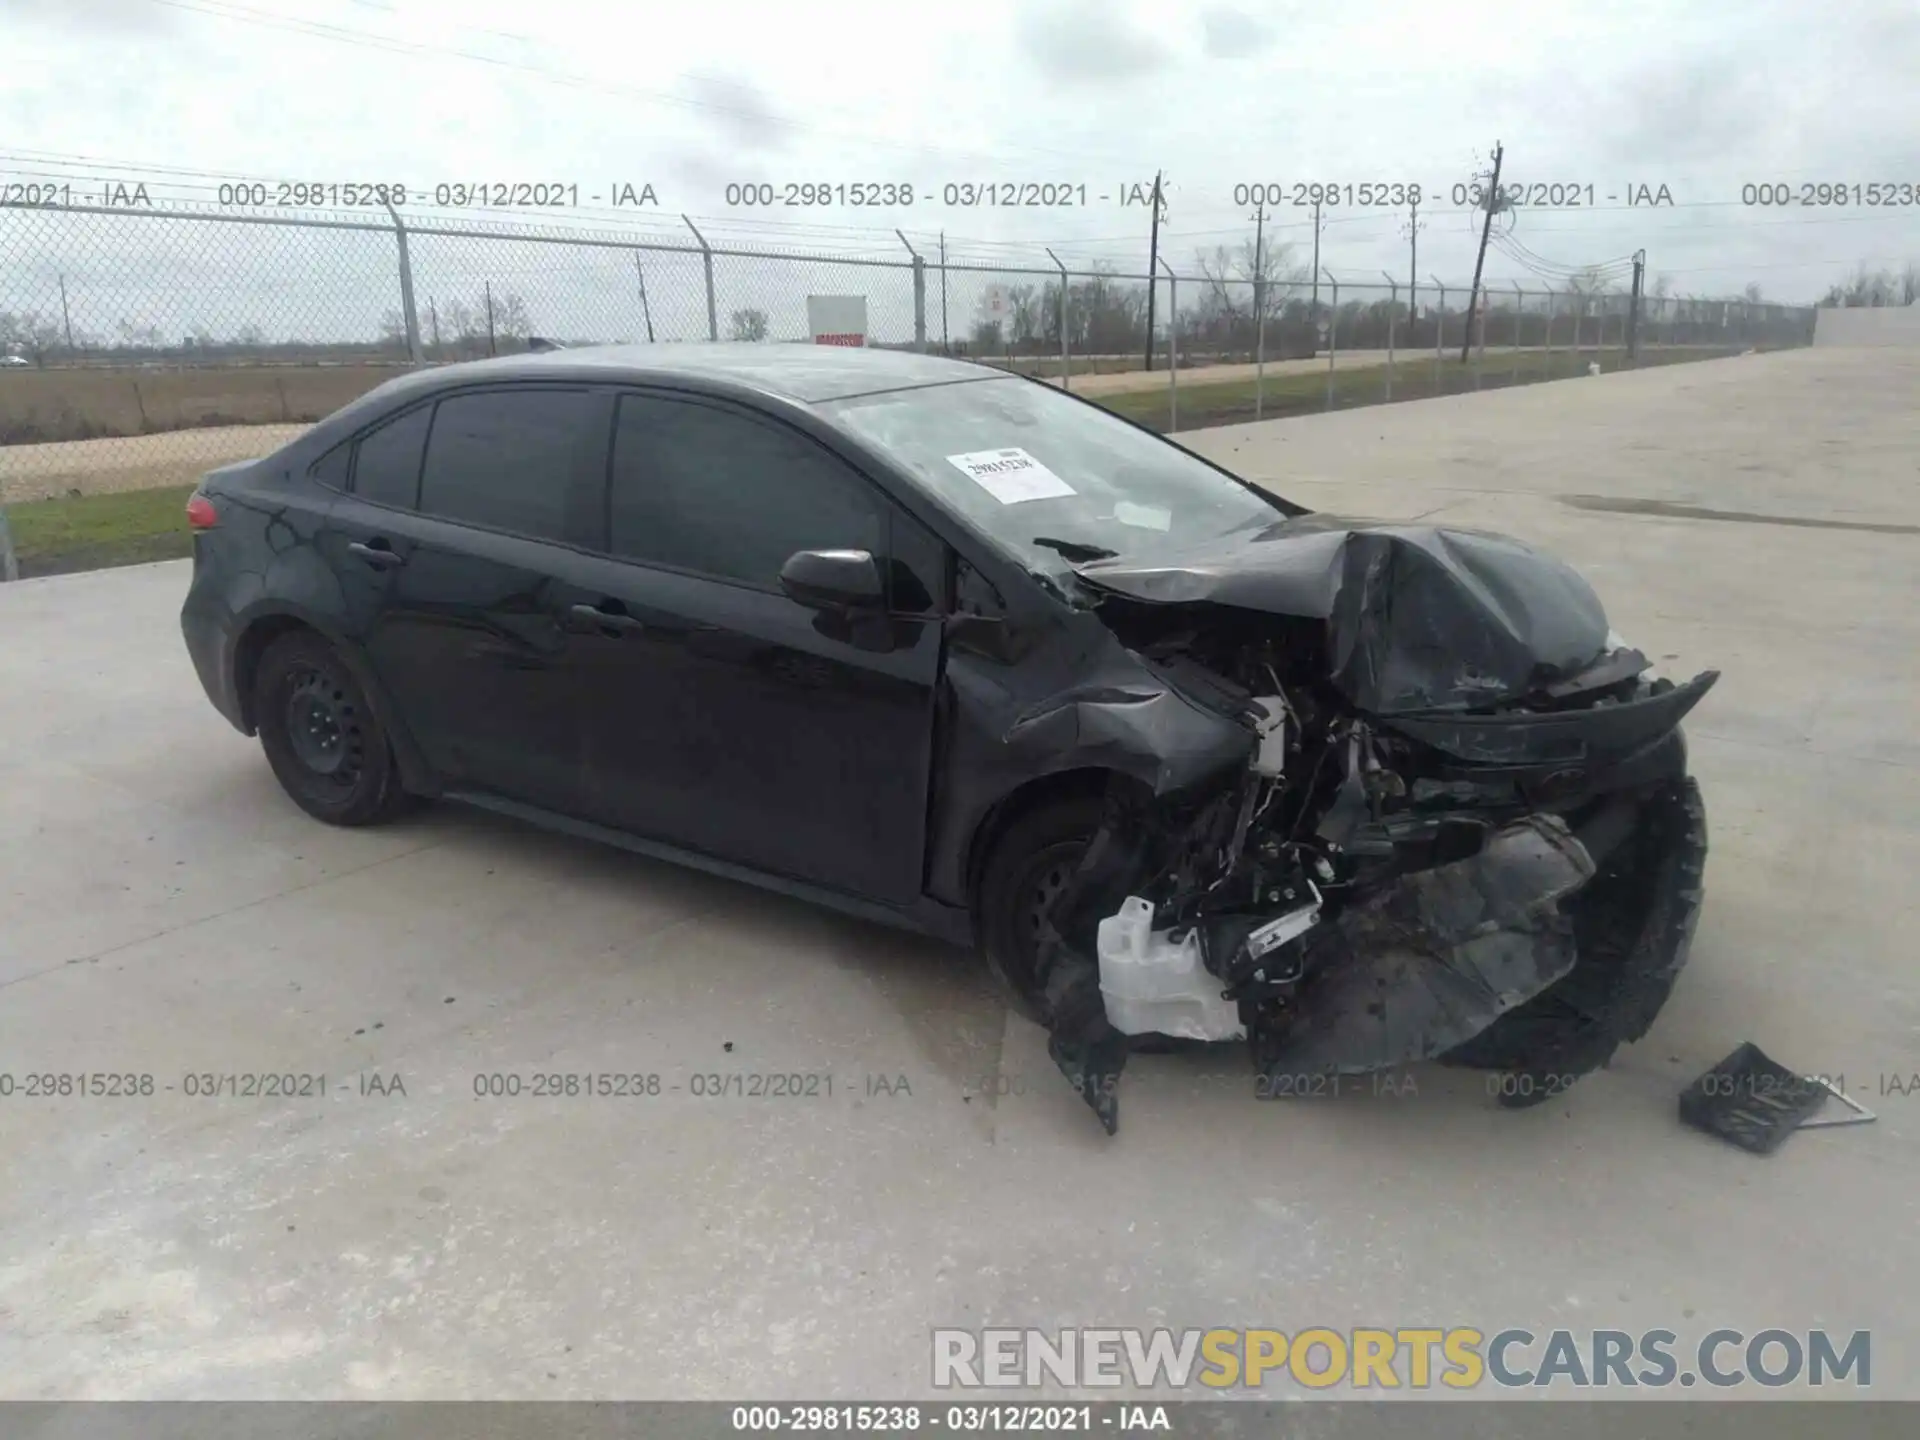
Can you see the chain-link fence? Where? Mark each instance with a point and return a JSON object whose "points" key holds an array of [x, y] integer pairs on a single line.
{"points": [[138, 348]]}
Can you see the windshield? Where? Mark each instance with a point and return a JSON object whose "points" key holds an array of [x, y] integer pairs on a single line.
{"points": [[1030, 465]]}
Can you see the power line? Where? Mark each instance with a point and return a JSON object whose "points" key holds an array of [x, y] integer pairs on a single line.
{"points": [[1541, 265]]}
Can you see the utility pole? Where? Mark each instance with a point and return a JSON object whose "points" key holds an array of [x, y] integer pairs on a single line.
{"points": [[645, 311], [492, 347], [66, 320], [433, 323], [1313, 310], [1259, 308], [1480, 260], [946, 342], [1413, 264], [1153, 264], [1633, 306]]}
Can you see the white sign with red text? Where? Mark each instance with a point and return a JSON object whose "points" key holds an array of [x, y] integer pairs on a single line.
{"points": [[837, 319]]}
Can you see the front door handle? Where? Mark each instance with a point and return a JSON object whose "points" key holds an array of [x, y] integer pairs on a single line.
{"points": [[379, 554], [608, 622]]}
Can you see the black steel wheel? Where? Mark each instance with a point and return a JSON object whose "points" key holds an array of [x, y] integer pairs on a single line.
{"points": [[323, 740]]}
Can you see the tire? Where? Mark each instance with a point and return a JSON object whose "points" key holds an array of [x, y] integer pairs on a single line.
{"points": [[1028, 867], [326, 746]]}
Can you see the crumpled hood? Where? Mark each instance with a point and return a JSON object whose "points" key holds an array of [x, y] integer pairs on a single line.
{"points": [[1419, 617]]}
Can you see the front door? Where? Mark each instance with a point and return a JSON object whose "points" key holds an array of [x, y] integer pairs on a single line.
{"points": [[724, 717]]}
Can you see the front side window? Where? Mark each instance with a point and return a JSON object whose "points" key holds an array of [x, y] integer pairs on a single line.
{"points": [[505, 459], [702, 488], [386, 466]]}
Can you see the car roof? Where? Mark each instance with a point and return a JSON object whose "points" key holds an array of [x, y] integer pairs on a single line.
{"points": [[800, 372]]}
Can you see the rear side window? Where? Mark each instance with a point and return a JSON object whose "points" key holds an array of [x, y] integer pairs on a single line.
{"points": [[713, 491], [386, 469], [505, 459], [332, 468]]}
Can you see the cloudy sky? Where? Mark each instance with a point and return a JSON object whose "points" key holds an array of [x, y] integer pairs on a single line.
{"points": [[1698, 97]]}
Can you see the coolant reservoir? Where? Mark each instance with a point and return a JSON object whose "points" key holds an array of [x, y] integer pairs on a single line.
{"points": [[1152, 986]]}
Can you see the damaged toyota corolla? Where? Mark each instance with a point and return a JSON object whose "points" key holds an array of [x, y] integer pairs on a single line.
{"points": [[953, 649]]}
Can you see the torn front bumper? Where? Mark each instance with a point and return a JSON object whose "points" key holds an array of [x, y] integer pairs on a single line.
{"points": [[1436, 957], [1534, 955], [1633, 926]]}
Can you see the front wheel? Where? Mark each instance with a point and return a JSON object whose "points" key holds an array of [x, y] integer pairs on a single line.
{"points": [[326, 746], [1029, 867]]}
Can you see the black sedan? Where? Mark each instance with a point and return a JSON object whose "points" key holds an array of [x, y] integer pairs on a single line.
{"points": [[948, 648]]}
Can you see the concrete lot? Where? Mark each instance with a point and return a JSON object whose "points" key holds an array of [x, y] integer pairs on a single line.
{"points": [[165, 911]]}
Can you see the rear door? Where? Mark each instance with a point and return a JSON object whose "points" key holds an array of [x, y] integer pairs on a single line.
{"points": [[460, 517], [724, 717]]}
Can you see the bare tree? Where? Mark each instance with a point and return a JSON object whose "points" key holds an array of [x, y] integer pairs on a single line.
{"points": [[1752, 293], [510, 320], [1023, 310], [1877, 287], [137, 337], [28, 334], [749, 324], [463, 325], [1105, 315], [1228, 275], [1587, 289], [987, 333]]}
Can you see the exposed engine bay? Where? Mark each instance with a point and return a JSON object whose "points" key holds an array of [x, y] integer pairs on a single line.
{"points": [[1495, 860]]}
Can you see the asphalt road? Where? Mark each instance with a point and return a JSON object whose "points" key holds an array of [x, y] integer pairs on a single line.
{"points": [[164, 911]]}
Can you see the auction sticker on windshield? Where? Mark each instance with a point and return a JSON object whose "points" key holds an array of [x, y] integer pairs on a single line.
{"points": [[1010, 476]]}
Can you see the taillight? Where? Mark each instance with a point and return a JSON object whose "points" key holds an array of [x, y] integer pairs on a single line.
{"points": [[200, 512]]}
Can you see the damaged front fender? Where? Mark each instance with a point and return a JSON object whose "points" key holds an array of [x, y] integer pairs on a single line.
{"points": [[1154, 735]]}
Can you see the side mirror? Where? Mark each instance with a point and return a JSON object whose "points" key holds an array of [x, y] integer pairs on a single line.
{"points": [[833, 579]]}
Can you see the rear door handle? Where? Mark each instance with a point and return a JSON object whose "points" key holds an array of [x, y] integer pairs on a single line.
{"points": [[607, 621], [379, 554]]}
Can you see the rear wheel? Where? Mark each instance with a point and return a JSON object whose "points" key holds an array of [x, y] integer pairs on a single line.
{"points": [[326, 746], [1030, 865]]}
